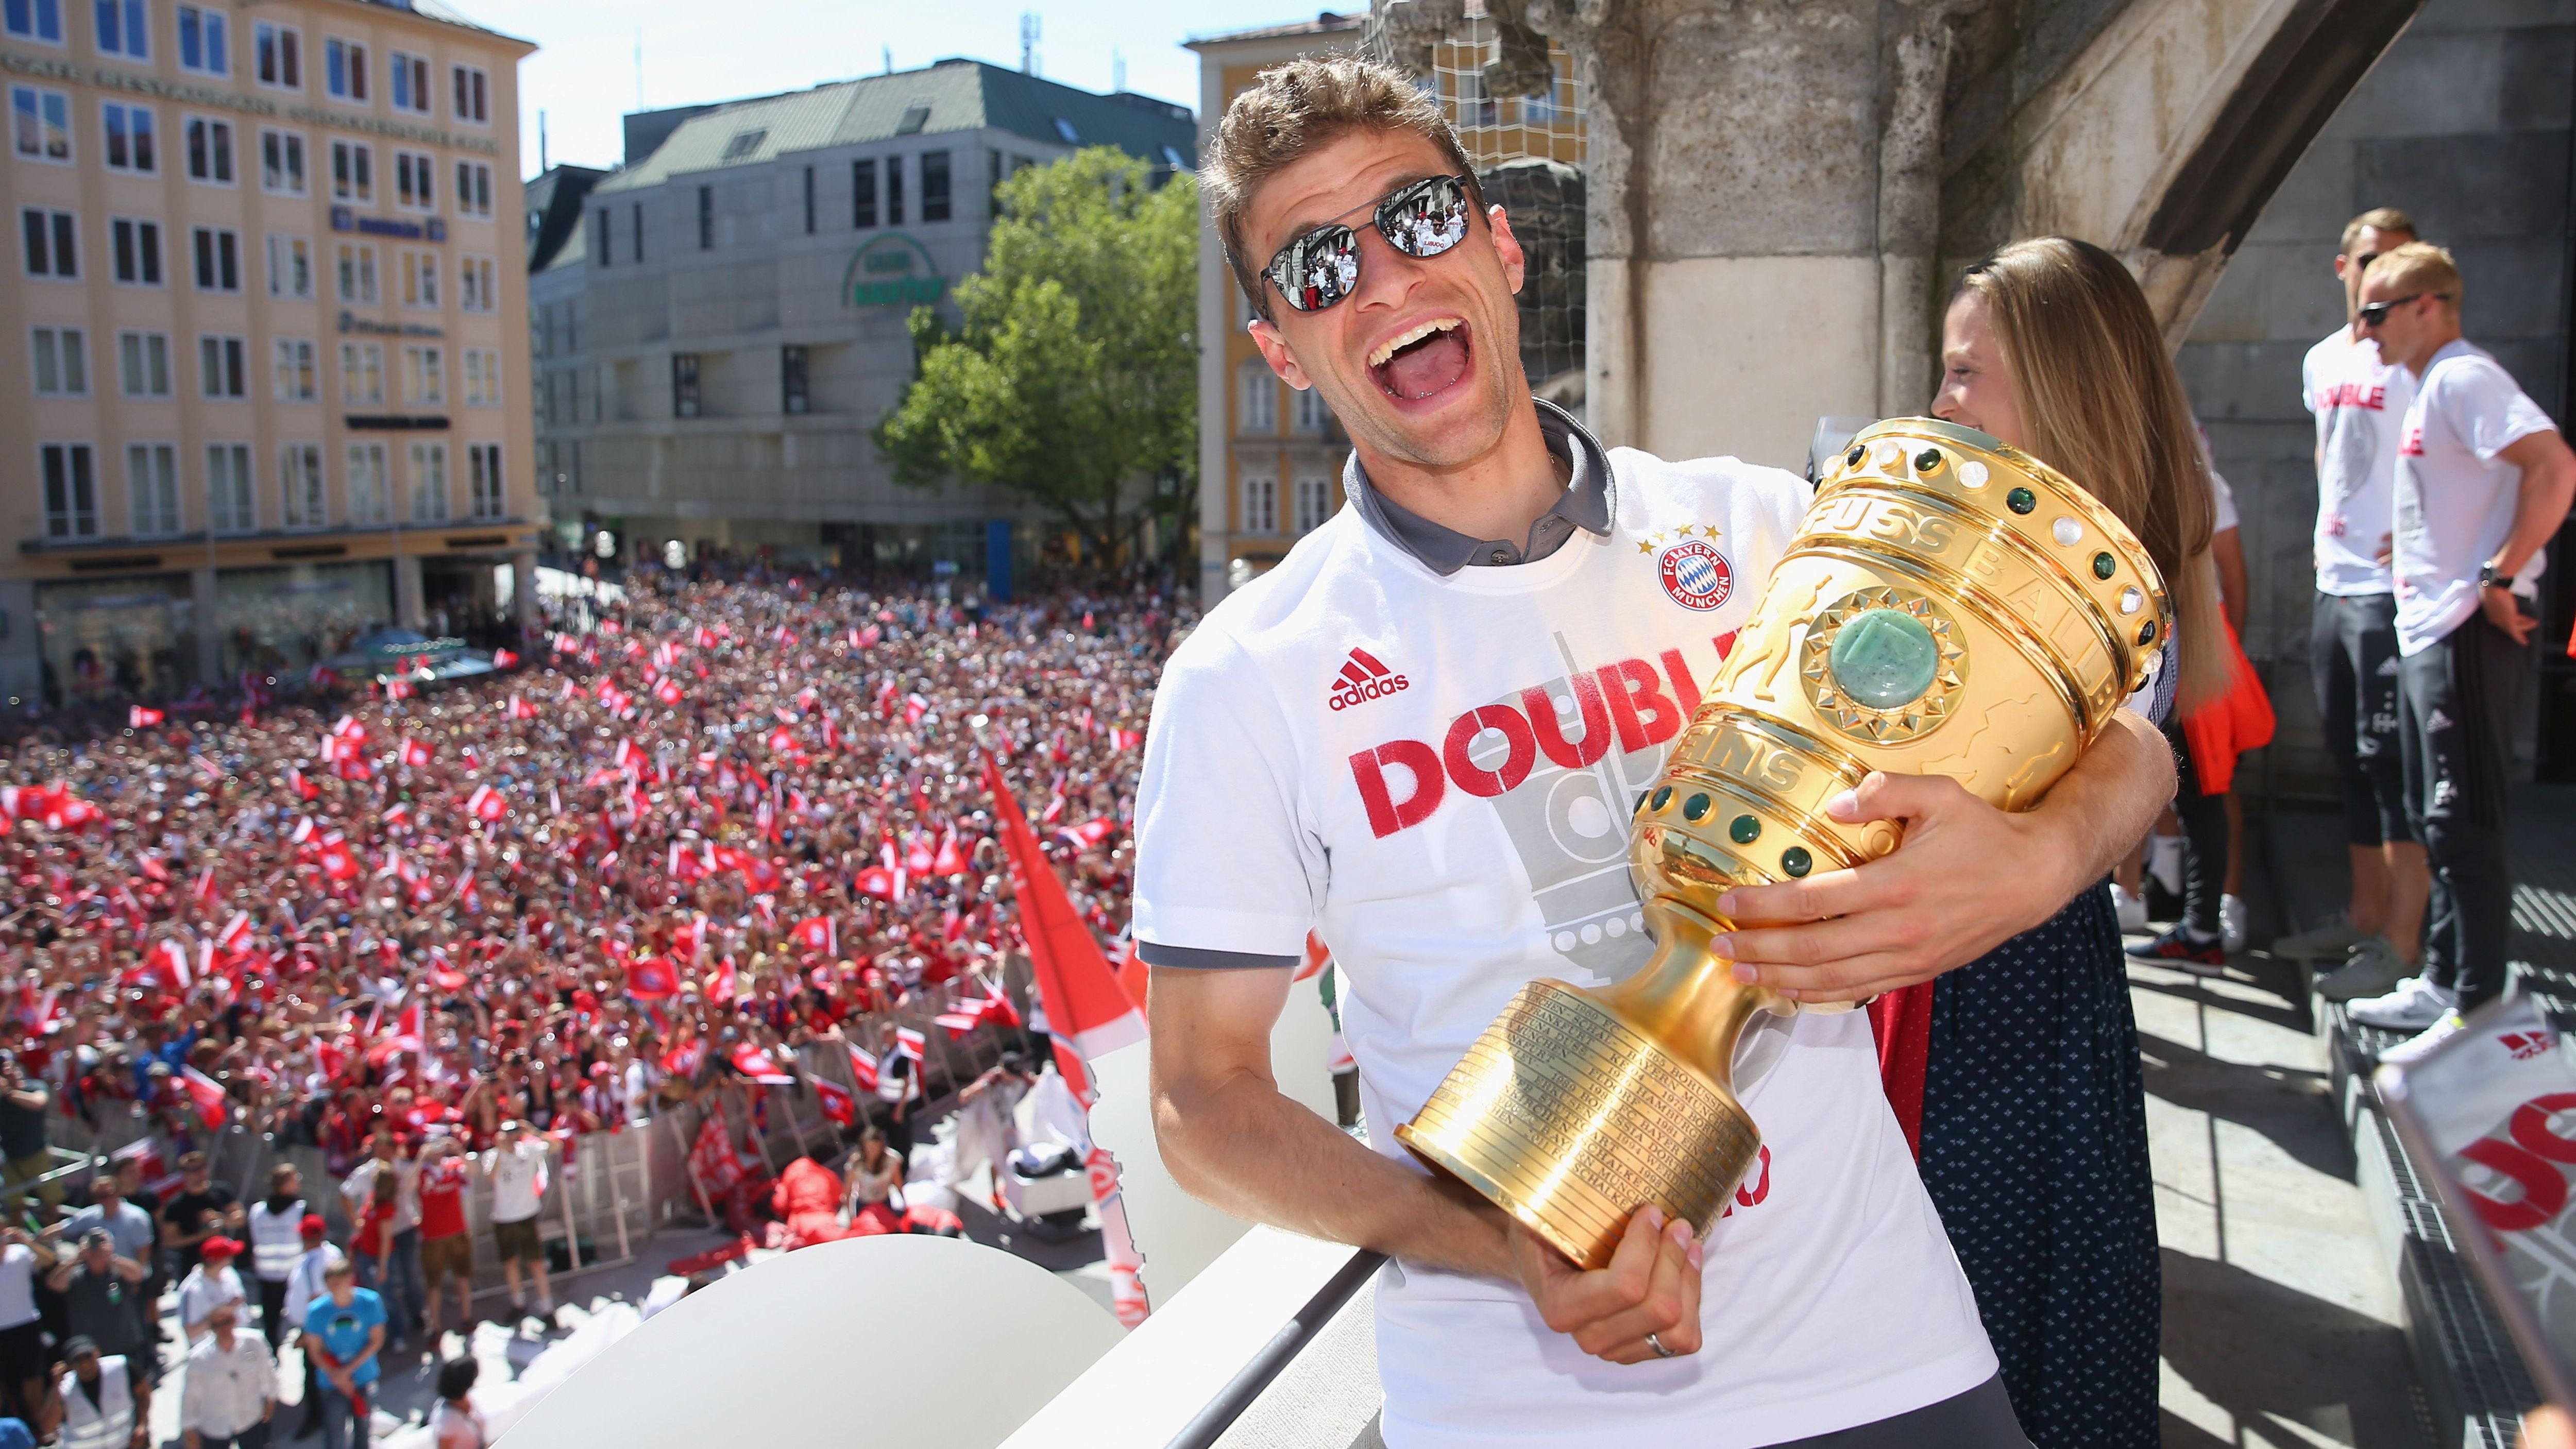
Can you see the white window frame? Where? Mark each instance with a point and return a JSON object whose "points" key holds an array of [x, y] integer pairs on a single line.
{"points": [[487, 494], [353, 172], [134, 29], [474, 189], [151, 259], [142, 141], [223, 165], [290, 267], [1258, 394], [37, 10], [62, 352], [232, 489], [367, 479], [282, 163], [303, 492], [287, 74], [49, 112], [477, 284], [362, 374], [354, 275], [427, 479], [482, 366], [74, 521], [1260, 504], [223, 367], [351, 56], [227, 281], [425, 376], [214, 39], [295, 370], [54, 217], [470, 94], [419, 279], [407, 82], [1312, 496], [155, 505], [415, 181], [142, 360]]}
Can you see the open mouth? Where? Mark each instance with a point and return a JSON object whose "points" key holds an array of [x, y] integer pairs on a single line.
{"points": [[1424, 361]]}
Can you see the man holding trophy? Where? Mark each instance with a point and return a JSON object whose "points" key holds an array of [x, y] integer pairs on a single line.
{"points": [[1461, 728]]}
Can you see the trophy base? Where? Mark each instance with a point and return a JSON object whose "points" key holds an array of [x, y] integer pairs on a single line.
{"points": [[1570, 1119]]}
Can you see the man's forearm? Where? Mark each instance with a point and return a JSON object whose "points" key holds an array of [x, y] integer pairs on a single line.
{"points": [[2104, 805], [1241, 1146]]}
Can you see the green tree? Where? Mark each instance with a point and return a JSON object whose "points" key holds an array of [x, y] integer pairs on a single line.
{"points": [[1072, 382]]}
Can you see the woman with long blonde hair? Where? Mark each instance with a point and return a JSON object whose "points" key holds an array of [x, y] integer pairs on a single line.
{"points": [[2030, 1104]]}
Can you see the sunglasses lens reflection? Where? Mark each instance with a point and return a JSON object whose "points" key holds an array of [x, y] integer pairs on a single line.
{"points": [[1318, 269], [1427, 219]]}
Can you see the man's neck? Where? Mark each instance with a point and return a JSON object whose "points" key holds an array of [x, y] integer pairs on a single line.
{"points": [[2431, 347], [1498, 495], [224, 1339]]}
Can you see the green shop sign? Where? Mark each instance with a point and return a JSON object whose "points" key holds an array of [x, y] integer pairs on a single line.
{"points": [[893, 271]]}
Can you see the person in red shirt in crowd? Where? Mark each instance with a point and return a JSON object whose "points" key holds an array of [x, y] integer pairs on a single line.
{"points": [[445, 1246]]}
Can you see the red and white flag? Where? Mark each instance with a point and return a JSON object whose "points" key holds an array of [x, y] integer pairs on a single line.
{"points": [[234, 938], [652, 980], [668, 691], [910, 1043], [838, 1108], [206, 1093], [487, 804], [304, 788], [863, 1069], [1082, 997], [504, 658], [415, 754], [174, 959], [140, 718], [818, 933], [521, 709]]}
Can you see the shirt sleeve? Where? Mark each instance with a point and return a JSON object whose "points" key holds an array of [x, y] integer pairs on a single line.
{"points": [[1225, 860], [2487, 411]]}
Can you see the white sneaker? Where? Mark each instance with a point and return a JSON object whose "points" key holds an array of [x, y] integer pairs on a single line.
{"points": [[2231, 922], [2164, 861], [2132, 909], [2373, 969], [2413, 1006], [2418, 1046], [2330, 938]]}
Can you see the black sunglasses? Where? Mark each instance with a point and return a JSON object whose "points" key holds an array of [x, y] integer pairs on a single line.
{"points": [[1419, 219], [2374, 313]]}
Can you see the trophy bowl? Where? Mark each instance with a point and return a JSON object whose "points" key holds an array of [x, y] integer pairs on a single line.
{"points": [[1949, 606]]}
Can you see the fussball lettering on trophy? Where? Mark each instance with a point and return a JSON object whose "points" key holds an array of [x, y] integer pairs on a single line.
{"points": [[1950, 606]]}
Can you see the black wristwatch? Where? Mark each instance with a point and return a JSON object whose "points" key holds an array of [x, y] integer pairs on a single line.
{"points": [[2488, 578]]}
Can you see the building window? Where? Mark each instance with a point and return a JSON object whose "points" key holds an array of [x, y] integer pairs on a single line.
{"points": [[410, 82], [362, 373], [934, 186], [420, 280], [62, 362], [152, 489], [229, 488], [365, 463], [482, 377], [473, 98], [344, 67], [34, 20], [413, 181], [637, 231], [290, 268], [281, 162], [863, 193], [1314, 503], [223, 368], [600, 248], [136, 246], [71, 491], [1261, 505], [143, 364], [295, 369], [301, 499], [218, 259], [429, 482], [483, 473], [894, 191], [124, 29], [474, 189], [792, 396], [40, 124], [1312, 415], [476, 289], [210, 151], [684, 384], [353, 172], [425, 376], [809, 201], [1260, 399], [204, 41], [356, 272], [1065, 132], [129, 138], [706, 218], [281, 55], [52, 243]]}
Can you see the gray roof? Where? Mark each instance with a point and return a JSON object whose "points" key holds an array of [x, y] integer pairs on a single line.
{"points": [[1326, 22], [954, 95], [441, 11]]}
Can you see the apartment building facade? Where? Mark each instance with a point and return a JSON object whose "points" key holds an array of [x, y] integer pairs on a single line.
{"points": [[263, 383]]}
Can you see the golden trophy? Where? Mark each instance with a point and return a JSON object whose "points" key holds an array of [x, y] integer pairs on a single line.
{"points": [[1950, 606]]}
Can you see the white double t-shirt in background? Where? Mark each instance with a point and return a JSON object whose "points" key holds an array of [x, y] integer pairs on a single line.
{"points": [[2455, 498], [1465, 832], [2360, 405]]}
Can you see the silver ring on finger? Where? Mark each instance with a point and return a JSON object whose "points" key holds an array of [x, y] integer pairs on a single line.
{"points": [[1657, 1345]]}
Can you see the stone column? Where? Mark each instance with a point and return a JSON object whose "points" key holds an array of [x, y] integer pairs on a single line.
{"points": [[523, 592], [22, 670], [407, 601], [210, 624]]}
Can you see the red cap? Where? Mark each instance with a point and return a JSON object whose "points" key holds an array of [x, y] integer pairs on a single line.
{"points": [[219, 1246], [313, 1224]]}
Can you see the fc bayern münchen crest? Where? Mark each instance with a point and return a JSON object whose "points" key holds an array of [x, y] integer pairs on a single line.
{"points": [[1696, 575]]}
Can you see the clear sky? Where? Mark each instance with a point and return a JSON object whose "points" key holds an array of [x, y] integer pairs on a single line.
{"points": [[584, 75]]}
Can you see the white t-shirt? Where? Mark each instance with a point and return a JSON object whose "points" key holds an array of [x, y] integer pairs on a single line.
{"points": [[1446, 867], [2455, 499], [17, 1285], [514, 1180], [2359, 402]]}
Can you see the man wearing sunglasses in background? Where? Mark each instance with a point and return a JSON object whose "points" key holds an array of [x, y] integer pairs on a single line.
{"points": [[2483, 482], [2360, 398], [1420, 737]]}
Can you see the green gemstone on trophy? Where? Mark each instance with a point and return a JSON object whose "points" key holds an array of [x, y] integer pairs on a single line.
{"points": [[2147, 632], [2104, 566], [1927, 460], [1663, 796], [1695, 807], [2021, 500], [1884, 658], [1796, 861], [1744, 830]]}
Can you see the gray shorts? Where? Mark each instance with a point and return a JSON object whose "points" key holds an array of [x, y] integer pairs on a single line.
{"points": [[1981, 1418]]}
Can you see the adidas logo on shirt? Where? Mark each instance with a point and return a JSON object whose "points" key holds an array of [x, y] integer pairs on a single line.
{"points": [[1363, 678]]}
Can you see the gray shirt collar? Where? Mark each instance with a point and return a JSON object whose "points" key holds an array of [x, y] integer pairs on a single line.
{"points": [[1444, 550]]}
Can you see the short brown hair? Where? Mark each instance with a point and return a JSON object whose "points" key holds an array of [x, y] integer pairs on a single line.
{"points": [[2378, 218], [2421, 267], [1295, 108]]}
